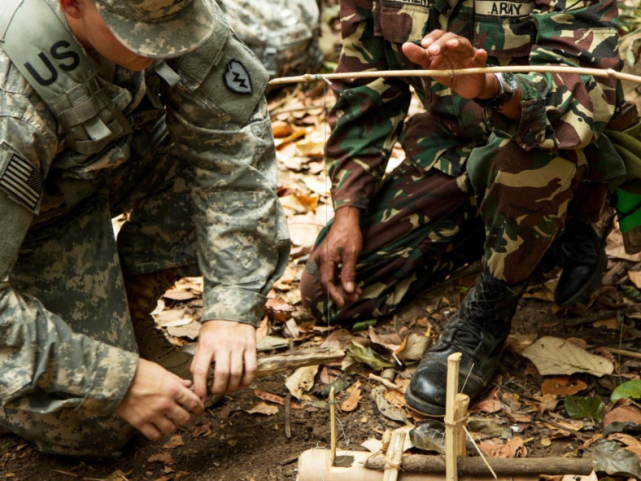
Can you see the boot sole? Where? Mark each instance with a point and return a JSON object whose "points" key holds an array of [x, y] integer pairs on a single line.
{"points": [[422, 406]]}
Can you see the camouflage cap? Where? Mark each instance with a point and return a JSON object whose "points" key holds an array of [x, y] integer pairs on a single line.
{"points": [[159, 28]]}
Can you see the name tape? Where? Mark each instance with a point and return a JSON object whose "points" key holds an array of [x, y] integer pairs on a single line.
{"points": [[502, 8]]}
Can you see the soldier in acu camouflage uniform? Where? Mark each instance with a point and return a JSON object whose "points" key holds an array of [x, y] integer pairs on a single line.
{"points": [[496, 167], [190, 156]]}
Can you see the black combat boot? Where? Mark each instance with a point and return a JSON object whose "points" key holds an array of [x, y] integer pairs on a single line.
{"points": [[579, 252], [478, 330]]}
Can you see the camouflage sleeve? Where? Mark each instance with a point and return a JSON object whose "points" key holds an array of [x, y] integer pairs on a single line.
{"points": [[38, 350], [222, 127], [567, 111], [368, 113]]}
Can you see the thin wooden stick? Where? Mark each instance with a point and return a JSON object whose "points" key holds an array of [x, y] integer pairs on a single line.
{"points": [[596, 72], [623, 352], [462, 403], [332, 414], [394, 456], [286, 362], [451, 428]]}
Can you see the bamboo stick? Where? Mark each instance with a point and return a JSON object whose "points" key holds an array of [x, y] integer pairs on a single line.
{"points": [[558, 69], [332, 413], [451, 429], [394, 456], [462, 403]]}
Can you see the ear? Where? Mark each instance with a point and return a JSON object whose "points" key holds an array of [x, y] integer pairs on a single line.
{"points": [[73, 8]]}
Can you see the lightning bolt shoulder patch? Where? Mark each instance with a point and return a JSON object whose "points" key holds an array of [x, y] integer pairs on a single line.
{"points": [[237, 78]]}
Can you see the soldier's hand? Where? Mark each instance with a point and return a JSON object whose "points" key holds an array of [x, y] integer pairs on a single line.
{"points": [[336, 258], [447, 51], [158, 402], [232, 346]]}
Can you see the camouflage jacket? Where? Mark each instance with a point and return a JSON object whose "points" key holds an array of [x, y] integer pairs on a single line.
{"points": [[567, 112], [224, 135]]}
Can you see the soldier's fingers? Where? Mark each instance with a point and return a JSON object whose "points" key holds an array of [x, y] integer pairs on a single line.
{"points": [[431, 37], [235, 371], [200, 369], [480, 58], [221, 374], [179, 416], [417, 54], [191, 401], [150, 431], [250, 365], [335, 295], [165, 425], [348, 271]]}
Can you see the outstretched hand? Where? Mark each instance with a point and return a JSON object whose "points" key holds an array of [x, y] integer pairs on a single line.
{"points": [[447, 51]]}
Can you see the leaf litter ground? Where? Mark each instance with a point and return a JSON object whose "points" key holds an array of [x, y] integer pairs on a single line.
{"points": [[522, 413]]}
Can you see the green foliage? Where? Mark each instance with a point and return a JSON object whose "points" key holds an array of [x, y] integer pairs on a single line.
{"points": [[630, 15], [585, 407], [369, 357], [631, 293], [627, 390]]}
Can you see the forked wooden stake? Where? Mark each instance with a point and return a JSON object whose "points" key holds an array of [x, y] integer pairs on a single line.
{"points": [[332, 416], [451, 427]]}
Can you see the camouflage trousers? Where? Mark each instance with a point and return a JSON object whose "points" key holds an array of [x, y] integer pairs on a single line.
{"points": [[506, 209], [75, 267]]}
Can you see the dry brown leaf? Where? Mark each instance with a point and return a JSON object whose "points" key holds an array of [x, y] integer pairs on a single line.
{"points": [[517, 343], [163, 478], [275, 398], [311, 148], [623, 414], [179, 295], [327, 377], [608, 323], [181, 474], [301, 381], [278, 309], [389, 341], [163, 457], [281, 129], [174, 442], [263, 408], [635, 277], [553, 355], [201, 429], [191, 330], [413, 347], [562, 386], [351, 403], [514, 448], [490, 404], [626, 439], [396, 398], [547, 402]]}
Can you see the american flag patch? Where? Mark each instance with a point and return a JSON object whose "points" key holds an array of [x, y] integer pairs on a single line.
{"points": [[23, 182]]}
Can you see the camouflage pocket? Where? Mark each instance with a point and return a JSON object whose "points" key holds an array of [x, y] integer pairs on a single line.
{"points": [[403, 20], [504, 28]]}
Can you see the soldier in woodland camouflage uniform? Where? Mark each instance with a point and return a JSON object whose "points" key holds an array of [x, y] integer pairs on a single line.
{"points": [[496, 166], [187, 149]]}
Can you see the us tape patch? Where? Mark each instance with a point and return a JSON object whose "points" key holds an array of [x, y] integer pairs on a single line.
{"points": [[494, 8], [23, 182], [237, 78]]}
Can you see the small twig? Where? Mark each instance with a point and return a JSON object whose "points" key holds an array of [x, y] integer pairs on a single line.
{"points": [[480, 453], [623, 352], [385, 382], [288, 415], [289, 461], [65, 472], [577, 321], [451, 423], [596, 72], [575, 432]]}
